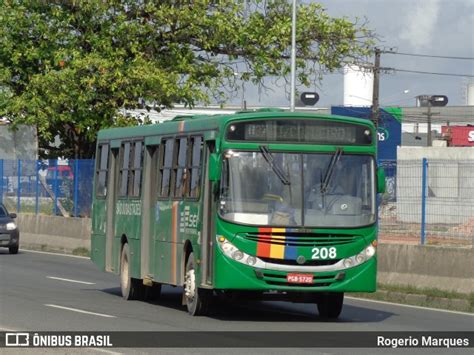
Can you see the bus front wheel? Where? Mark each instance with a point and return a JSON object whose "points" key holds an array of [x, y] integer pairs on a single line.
{"points": [[330, 304], [197, 299], [132, 289]]}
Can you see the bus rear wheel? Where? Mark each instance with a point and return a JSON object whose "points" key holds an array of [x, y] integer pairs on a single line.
{"points": [[132, 289], [197, 299], [330, 304]]}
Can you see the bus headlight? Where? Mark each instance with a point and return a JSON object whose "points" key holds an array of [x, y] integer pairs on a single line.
{"points": [[370, 251], [232, 252], [367, 253], [237, 255]]}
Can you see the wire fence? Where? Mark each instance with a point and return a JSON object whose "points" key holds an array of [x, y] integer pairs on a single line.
{"points": [[48, 187], [428, 201]]}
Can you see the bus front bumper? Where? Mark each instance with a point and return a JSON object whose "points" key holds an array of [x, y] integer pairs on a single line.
{"points": [[232, 275]]}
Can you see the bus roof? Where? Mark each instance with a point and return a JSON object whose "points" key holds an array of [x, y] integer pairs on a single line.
{"points": [[195, 123]]}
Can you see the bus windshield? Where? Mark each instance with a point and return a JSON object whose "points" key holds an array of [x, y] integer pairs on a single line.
{"points": [[301, 190]]}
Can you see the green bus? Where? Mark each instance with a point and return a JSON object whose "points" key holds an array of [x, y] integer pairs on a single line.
{"points": [[264, 205]]}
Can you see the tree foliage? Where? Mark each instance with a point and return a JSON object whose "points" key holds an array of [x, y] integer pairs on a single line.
{"points": [[74, 67]]}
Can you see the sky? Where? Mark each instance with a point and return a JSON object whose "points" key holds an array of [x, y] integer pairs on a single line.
{"points": [[432, 27]]}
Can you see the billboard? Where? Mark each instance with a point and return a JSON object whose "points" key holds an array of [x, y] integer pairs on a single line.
{"points": [[389, 132]]}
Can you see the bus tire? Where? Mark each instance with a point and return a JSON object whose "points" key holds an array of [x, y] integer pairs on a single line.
{"points": [[132, 289], [330, 304], [197, 299]]}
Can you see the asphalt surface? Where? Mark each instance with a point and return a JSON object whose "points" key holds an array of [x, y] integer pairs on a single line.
{"points": [[45, 292]]}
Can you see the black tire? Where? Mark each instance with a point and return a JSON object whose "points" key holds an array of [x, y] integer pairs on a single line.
{"points": [[132, 289], [14, 249], [330, 304], [197, 299]]}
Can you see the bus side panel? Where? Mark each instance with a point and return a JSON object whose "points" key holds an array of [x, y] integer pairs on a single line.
{"points": [[128, 224], [163, 230], [98, 250], [98, 234]]}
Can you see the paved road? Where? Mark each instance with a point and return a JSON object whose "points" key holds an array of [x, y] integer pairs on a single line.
{"points": [[38, 293]]}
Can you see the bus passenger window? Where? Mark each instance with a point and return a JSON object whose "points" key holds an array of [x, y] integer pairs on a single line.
{"points": [[102, 170], [195, 167], [166, 165], [124, 169], [137, 169], [180, 167]]}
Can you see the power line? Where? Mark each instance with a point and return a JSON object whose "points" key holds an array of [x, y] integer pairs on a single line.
{"points": [[429, 55], [427, 72]]}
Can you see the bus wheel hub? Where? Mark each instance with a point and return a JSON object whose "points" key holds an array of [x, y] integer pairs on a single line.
{"points": [[190, 284]]}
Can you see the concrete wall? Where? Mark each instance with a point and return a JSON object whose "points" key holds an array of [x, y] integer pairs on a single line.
{"points": [[443, 268], [449, 269], [53, 233], [450, 198]]}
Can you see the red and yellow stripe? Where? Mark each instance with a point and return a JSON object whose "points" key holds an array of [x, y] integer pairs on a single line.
{"points": [[273, 243]]}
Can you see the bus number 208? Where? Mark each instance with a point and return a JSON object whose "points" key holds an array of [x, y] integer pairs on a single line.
{"points": [[324, 253]]}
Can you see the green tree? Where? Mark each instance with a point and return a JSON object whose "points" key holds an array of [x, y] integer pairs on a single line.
{"points": [[74, 67]]}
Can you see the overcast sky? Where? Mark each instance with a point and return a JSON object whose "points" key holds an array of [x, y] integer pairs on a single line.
{"points": [[433, 27]]}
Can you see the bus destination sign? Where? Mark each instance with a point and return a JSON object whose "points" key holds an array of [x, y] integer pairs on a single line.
{"points": [[299, 131]]}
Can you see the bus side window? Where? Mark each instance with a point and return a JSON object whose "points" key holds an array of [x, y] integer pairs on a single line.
{"points": [[195, 167], [102, 170], [166, 165], [136, 171], [124, 168], [180, 167]]}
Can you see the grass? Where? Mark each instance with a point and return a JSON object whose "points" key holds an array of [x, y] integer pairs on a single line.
{"points": [[81, 252], [433, 297]]}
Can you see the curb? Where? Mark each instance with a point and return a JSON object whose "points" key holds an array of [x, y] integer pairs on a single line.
{"points": [[455, 304]]}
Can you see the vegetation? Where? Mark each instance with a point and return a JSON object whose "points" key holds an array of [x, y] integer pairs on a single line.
{"points": [[81, 251], [427, 297], [74, 67]]}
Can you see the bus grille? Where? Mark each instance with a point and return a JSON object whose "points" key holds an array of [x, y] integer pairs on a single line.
{"points": [[306, 263], [302, 239]]}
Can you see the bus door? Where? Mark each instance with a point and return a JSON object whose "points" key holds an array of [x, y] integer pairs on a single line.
{"points": [[208, 220], [110, 263], [148, 212]]}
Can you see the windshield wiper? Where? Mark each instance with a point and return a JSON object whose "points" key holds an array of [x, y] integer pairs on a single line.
{"points": [[328, 175], [276, 169]]}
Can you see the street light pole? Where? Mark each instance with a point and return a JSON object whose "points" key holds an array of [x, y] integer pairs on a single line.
{"points": [[293, 59]]}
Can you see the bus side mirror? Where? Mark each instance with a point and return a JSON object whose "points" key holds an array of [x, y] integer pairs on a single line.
{"points": [[214, 167], [380, 180]]}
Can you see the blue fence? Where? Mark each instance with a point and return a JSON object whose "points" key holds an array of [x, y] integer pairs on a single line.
{"points": [[428, 201], [48, 187]]}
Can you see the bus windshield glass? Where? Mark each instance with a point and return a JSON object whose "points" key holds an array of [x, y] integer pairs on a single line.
{"points": [[302, 190]]}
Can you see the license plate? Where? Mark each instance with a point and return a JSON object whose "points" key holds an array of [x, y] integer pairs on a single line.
{"points": [[299, 278]]}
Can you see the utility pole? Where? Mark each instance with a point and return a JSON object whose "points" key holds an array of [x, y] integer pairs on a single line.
{"points": [[375, 92]]}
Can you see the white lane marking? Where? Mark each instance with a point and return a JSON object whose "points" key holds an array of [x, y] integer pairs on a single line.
{"points": [[57, 254], [80, 311], [4, 329], [69, 280], [104, 351], [411, 306]]}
